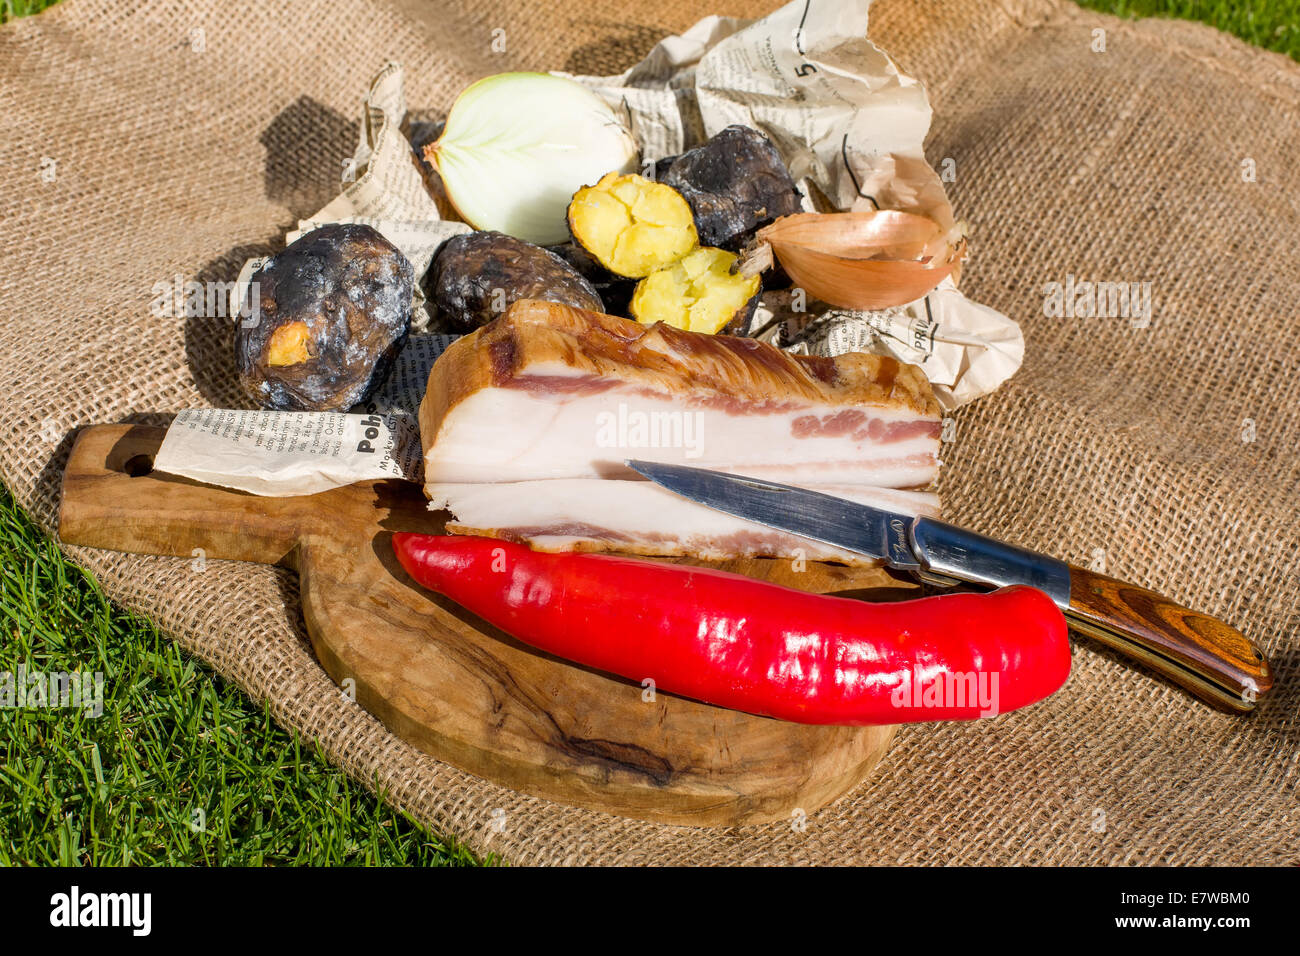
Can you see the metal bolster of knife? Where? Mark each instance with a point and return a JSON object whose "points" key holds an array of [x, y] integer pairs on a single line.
{"points": [[946, 555]]}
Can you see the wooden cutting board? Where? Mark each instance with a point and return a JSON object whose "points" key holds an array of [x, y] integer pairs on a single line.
{"points": [[459, 689]]}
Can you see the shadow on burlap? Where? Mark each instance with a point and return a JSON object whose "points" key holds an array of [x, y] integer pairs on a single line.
{"points": [[185, 139]]}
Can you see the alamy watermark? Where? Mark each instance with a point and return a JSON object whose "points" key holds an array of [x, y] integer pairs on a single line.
{"points": [[631, 428], [52, 690], [1083, 299], [77, 908], [948, 689], [190, 298]]}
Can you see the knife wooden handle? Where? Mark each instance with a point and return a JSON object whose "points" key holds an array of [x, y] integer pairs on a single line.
{"points": [[1203, 654]]}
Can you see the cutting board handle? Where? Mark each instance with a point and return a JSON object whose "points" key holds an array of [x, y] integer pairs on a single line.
{"points": [[450, 685], [112, 498]]}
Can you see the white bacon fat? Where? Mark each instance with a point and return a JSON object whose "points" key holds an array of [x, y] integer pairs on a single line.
{"points": [[526, 424], [639, 517]]}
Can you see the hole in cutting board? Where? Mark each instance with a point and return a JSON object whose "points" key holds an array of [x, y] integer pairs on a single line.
{"points": [[137, 466]]}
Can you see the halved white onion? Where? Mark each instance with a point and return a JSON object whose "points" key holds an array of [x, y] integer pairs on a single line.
{"points": [[517, 146]]}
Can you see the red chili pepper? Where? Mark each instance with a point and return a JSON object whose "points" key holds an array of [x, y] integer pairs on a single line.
{"points": [[736, 642]]}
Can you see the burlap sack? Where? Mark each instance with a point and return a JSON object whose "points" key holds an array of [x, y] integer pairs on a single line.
{"points": [[186, 136]]}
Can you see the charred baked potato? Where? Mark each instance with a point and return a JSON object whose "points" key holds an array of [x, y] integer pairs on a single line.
{"points": [[324, 320], [615, 291], [735, 184], [475, 277]]}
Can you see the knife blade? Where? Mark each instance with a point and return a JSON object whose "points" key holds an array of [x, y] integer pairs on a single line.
{"points": [[1208, 657]]}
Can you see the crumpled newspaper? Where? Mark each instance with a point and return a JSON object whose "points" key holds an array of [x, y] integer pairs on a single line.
{"points": [[851, 128], [301, 453], [964, 348], [849, 125]]}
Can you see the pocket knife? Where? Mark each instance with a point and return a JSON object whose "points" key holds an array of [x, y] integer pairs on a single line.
{"points": [[1211, 659]]}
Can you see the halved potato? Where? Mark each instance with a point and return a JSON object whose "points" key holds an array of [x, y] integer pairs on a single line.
{"points": [[632, 225], [698, 293]]}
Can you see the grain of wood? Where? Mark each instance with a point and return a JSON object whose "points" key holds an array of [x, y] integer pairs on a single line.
{"points": [[452, 685]]}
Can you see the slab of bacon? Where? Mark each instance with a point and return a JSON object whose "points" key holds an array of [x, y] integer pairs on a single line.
{"points": [[547, 402]]}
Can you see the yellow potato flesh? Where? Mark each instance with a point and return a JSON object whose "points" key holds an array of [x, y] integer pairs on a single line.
{"points": [[698, 293], [288, 345], [632, 225]]}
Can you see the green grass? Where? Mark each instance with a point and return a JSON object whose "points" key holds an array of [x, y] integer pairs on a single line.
{"points": [[13, 9], [1271, 24], [175, 738], [180, 767]]}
